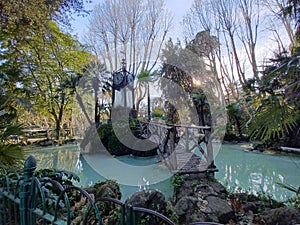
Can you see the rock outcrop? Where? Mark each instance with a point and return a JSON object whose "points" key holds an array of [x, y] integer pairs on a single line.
{"points": [[154, 200], [260, 210], [150, 199], [201, 198]]}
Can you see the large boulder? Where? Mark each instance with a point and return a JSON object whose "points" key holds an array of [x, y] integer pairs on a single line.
{"points": [[154, 200], [150, 199], [220, 209], [202, 198], [108, 188], [186, 209], [186, 205], [280, 216]]}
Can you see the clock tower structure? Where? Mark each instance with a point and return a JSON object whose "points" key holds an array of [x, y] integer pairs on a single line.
{"points": [[123, 89]]}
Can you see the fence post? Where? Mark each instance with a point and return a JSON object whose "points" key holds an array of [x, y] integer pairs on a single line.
{"points": [[29, 168], [130, 215]]}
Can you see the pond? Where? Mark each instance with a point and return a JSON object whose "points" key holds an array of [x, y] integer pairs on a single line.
{"points": [[250, 171], [143, 172], [258, 172]]}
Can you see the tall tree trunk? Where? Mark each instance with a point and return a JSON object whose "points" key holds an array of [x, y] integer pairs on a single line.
{"points": [[240, 73], [97, 114], [81, 104], [57, 129]]}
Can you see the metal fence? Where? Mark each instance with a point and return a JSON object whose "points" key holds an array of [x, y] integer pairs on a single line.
{"points": [[27, 200]]}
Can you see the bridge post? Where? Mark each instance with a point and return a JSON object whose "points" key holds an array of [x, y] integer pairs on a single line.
{"points": [[210, 151], [187, 137], [172, 148], [25, 183]]}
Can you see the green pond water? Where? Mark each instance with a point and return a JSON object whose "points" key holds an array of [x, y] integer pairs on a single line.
{"points": [[238, 169]]}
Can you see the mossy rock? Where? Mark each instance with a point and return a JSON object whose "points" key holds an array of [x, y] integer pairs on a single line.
{"points": [[110, 212], [108, 188], [154, 200]]}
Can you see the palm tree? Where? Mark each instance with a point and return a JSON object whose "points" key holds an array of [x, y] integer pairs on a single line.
{"points": [[276, 114], [11, 154]]}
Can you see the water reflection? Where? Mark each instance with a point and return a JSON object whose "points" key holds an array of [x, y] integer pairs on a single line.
{"points": [[250, 171], [62, 157], [69, 158], [257, 172]]}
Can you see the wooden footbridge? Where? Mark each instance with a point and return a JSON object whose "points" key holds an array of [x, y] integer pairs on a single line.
{"points": [[183, 149]]}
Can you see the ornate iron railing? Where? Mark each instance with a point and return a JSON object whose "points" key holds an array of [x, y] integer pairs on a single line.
{"points": [[27, 200]]}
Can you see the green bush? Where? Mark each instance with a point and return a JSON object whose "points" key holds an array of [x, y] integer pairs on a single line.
{"points": [[111, 141], [177, 180], [114, 146], [158, 113]]}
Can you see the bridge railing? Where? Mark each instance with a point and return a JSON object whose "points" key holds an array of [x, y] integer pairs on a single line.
{"points": [[177, 144]]}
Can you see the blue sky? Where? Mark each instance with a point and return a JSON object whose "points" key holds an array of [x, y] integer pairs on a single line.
{"points": [[178, 7]]}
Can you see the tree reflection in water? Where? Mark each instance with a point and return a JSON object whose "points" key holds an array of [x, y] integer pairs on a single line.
{"points": [[238, 169]]}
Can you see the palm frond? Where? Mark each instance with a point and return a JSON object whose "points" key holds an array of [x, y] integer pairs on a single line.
{"points": [[273, 120], [11, 155]]}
